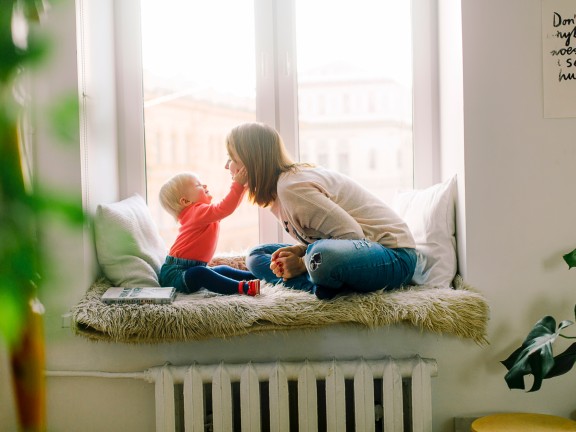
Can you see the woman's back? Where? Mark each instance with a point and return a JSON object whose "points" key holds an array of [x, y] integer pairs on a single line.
{"points": [[317, 203]]}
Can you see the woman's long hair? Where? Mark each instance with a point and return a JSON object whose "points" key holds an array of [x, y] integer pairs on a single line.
{"points": [[261, 149]]}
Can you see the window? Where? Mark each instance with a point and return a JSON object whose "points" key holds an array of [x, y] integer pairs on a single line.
{"points": [[359, 50], [338, 87], [199, 82]]}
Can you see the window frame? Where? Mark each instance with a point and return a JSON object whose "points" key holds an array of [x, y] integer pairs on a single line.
{"points": [[276, 86]]}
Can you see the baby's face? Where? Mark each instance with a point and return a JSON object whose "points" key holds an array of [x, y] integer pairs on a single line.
{"points": [[196, 191]]}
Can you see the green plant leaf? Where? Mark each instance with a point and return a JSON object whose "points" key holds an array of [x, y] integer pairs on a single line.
{"points": [[570, 259], [65, 119], [13, 299], [563, 362], [535, 355], [60, 203]]}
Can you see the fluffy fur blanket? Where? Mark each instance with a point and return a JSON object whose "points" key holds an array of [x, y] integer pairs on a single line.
{"points": [[462, 312]]}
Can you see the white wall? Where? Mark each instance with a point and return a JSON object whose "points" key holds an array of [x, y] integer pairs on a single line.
{"points": [[515, 178], [519, 206], [519, 213]]}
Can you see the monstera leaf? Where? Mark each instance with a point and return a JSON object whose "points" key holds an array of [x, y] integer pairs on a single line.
{"points": [[563, 362], [570, 259], [535, 356]]}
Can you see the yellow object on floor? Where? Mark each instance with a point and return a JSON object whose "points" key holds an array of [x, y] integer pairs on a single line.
{"points": [[522, 422]]}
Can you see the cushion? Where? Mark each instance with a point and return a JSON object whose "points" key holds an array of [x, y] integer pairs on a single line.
{"points": [[463, 312], [430, 215], [129, 248]]}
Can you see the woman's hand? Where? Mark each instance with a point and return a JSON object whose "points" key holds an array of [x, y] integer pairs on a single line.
{"points": [[287, 262], [241, 176]]}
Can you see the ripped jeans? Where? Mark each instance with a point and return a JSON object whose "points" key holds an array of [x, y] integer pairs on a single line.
{"points": [[340, 266]]}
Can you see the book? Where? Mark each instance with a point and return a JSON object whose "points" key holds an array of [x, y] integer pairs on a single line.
{"points": [[141, 295]]}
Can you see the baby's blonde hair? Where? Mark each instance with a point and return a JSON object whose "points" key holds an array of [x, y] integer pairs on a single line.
{"points": [[172, 191]]}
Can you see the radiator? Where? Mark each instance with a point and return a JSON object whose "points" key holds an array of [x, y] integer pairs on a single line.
{"points": [[391, 395]]}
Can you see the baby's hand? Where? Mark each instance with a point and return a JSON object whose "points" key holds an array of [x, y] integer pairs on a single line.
{"points": [[241, 176]]}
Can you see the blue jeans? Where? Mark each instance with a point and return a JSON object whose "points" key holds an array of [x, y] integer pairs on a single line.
{"points": [[189, 276], [340, 266]]}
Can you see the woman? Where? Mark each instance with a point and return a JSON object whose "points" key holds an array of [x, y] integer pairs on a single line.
{"points": [[348, 239]]}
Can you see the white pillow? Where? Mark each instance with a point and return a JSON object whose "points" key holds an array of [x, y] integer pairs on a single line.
{"points": [[128, 245], [430, 215]]}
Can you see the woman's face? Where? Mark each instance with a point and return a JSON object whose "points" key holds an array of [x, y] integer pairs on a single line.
{"points": [[233, 163]]}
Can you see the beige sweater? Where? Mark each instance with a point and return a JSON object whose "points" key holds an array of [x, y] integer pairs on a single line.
{"points": [[316, 203]]}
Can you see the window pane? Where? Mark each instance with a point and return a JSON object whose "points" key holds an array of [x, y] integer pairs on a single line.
{"points": [[199, 82], [354, 90]]}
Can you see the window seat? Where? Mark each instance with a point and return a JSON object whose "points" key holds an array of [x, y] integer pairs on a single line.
{"points": [[459, 311], [130, 253]]}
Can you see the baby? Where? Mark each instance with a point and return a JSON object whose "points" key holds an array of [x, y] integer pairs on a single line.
{"points": [[189, 201]]}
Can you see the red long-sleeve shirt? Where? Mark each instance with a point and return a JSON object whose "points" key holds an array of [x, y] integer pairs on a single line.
{"points": [[200, 225]]}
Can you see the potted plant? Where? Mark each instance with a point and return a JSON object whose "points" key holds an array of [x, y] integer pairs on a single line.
{"points": [[22, 205], [535, 356]]}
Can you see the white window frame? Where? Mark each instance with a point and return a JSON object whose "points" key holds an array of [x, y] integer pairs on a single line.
{"points": [[130, 98], [425, 93], [276, 91]]}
